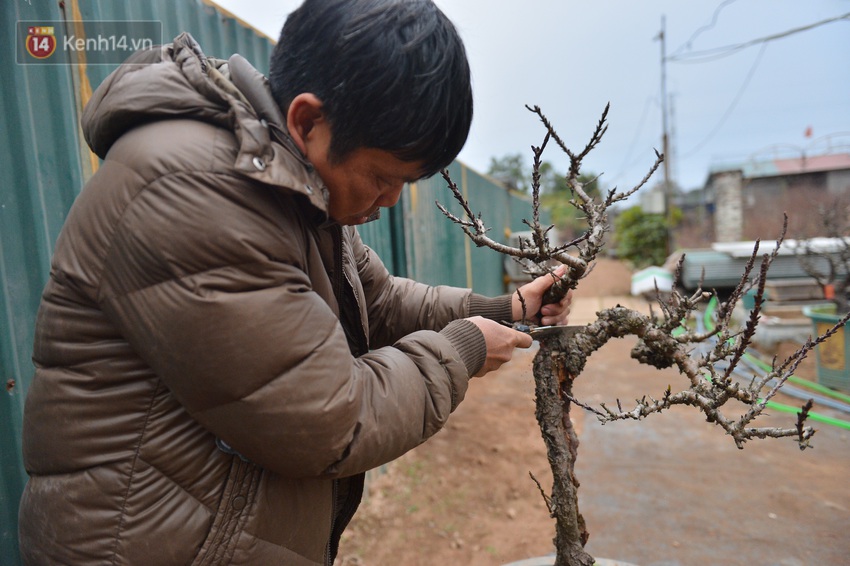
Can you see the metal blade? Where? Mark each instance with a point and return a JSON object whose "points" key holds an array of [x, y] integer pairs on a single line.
{"points": [[567, 330]]}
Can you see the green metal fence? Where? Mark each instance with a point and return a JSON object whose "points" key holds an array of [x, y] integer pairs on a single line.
{"points": [[439, 252], [40, 174], [44, 164]]}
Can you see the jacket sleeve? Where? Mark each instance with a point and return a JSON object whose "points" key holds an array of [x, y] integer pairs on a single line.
{"points": [[227, 318], [398, 306]]}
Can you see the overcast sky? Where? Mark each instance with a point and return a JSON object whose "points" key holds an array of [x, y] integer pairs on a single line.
{"points": [[570, 57]]}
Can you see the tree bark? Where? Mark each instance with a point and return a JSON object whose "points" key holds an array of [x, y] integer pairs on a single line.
{"points": [[553, 387]]}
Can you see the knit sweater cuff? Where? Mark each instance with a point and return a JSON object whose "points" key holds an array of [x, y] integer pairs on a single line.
{"points": [[494, 308], [469, 342]]}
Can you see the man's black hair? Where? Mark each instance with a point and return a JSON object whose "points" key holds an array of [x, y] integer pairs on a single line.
{"points": [[391, 75]]}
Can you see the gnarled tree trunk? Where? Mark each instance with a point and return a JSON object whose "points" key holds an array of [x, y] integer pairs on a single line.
{"points": [[553, 390], [663, 341]]}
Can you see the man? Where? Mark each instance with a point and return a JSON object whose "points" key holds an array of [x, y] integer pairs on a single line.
{"points": [[219, 358]]}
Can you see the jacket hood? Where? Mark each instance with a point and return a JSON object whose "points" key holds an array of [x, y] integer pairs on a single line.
{"points": [[177, 81]]}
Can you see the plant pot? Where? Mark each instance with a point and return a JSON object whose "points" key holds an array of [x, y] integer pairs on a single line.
{"points": [[550, 560], [832, 368]]}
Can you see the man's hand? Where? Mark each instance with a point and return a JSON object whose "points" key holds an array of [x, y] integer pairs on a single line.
{"points": [[551, 315], [501, 342]]}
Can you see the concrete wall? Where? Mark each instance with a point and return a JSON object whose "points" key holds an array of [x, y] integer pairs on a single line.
{"points": [[728, 215]]}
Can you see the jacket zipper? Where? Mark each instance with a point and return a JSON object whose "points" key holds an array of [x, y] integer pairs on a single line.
{"points": [[328, 559], [362, 339], [341, 293], [336, 233]]}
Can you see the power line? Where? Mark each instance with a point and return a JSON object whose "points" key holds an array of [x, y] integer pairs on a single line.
{"points": [[707, 55], [626, 160], [732, 105], [704, 28]]}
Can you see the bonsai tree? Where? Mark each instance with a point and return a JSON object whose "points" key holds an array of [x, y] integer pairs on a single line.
{"points": [[665, 339], [829, 265]]}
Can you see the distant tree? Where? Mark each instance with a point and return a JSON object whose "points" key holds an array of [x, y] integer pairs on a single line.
{"points": [[830, 266], [566, 216], [514, 172], [642, 237], [552, 181]]}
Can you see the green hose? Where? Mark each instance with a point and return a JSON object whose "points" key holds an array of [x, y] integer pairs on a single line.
{"points": [[816, 387], [709, 324], [813, 416]]}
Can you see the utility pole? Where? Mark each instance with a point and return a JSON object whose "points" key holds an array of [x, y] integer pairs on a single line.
{"points": [[665, 141]]}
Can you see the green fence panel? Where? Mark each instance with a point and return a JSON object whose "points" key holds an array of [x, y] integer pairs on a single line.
{"points": [[494, 203], [439, 252], [386, 237], [436, 255], [39, 175]]}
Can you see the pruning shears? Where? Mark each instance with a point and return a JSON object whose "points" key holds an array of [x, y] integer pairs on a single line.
{"points": [[538, 331]]}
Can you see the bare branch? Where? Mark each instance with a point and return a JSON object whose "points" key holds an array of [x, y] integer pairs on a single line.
{"points": [[709, 359], [546, 498], [614, 197]]}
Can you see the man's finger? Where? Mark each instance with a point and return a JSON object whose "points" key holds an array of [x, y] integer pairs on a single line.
{"points": [[546, 281]]}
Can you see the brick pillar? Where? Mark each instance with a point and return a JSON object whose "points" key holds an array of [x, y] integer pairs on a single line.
{"points": [[728, 206]]}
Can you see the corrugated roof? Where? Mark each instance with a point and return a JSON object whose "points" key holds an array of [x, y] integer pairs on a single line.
{"points": [[812, 164], [787, 166], [790, 247], [724, 264]]}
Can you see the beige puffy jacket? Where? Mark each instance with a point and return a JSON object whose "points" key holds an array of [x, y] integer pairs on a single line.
{"points": [[217, 364]]}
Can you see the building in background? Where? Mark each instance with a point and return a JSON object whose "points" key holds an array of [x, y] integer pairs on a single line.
{"points": [[746, 201]]}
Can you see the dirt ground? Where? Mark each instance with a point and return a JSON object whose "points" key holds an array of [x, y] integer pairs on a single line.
{"points": [[671, 490]]}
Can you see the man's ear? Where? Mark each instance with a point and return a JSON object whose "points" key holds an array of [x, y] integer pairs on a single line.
{"points": [[303, 116]]}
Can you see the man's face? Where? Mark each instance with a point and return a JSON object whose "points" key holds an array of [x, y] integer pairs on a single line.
{"points": [[364, 181]]}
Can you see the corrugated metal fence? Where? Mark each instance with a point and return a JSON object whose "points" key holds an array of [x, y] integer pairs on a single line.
{"points": [[44, 163]]}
